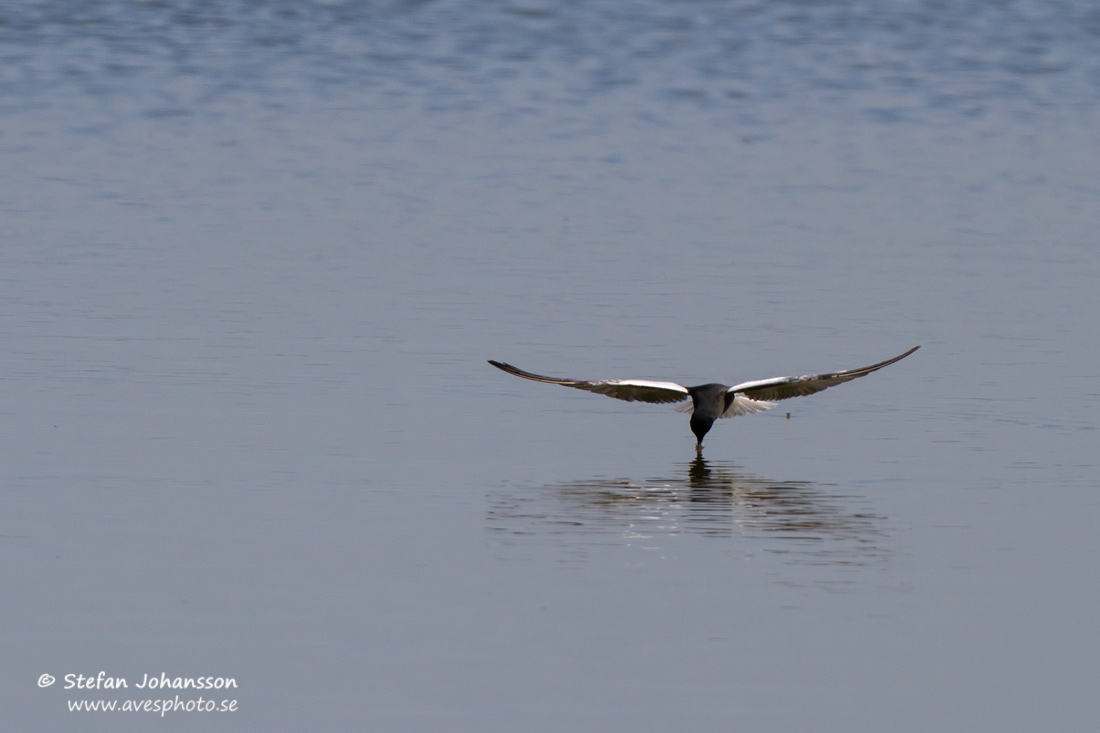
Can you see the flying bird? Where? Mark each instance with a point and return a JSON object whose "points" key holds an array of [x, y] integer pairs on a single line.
{"points": [[710, 401]]}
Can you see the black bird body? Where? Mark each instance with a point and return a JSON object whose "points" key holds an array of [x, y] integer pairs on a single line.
{"points": [[709, 402]]}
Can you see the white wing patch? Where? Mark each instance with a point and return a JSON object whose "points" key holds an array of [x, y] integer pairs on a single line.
{"points": [[644, 383], [764, 383], [634, 390], [742, 405]]}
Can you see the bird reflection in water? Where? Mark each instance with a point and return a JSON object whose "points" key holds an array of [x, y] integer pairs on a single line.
{"points": [[810, 522]]}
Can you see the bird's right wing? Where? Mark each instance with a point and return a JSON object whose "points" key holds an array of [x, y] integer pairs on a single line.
{"points": [[630, 390]]}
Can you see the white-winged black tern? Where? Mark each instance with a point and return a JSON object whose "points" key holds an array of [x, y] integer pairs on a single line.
{"points": [[710, 401]]}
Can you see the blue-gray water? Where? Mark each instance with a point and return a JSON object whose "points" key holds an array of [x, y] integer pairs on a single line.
{"points": [[253, 257]]}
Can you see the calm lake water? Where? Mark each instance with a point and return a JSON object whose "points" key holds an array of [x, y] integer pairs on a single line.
{"points": [[253, 259]]}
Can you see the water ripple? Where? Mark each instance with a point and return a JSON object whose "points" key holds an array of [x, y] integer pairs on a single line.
{"points": [[891, 61]]}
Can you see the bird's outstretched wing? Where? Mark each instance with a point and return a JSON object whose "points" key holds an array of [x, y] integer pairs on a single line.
{"points": [[781, 388], [631, 390]]}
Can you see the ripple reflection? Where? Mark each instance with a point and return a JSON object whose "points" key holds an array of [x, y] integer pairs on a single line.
{"points": [[808, 522]]}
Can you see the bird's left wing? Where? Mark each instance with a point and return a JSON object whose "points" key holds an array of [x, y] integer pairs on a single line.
{"points": [[630, 390], [739, 404], [781, 388]]}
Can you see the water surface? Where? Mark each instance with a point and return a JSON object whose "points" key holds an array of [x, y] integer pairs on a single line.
{"points": [[254, 258]]}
